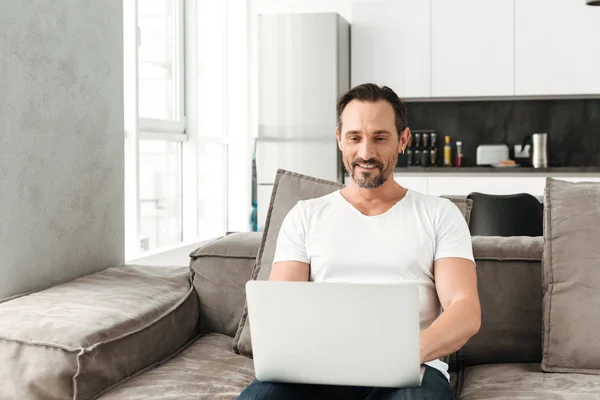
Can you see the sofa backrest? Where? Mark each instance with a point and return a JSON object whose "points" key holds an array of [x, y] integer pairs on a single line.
{"points": [[509, 284], [510, 290]]}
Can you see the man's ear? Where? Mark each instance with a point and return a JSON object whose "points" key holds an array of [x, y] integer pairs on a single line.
{"points": [[338, 136], [404, 139]]}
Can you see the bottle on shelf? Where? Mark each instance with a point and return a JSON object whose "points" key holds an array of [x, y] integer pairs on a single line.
{"points": [[425, 160], [447, 153], [417, 149], [459, 154], [433, 151]]}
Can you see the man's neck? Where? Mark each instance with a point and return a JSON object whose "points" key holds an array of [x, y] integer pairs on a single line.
{"points": [[389, 192]]}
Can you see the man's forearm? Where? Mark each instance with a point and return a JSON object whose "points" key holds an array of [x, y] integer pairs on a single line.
{"points": [[450, 331]]}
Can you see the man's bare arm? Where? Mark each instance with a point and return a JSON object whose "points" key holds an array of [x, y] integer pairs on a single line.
{"points": [[290, 271], [456, 285]]}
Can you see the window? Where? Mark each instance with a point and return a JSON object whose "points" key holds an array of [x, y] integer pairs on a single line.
{"points": [[177, 144], [160, 194], [160, 66], [161, 90], [155, 125]]}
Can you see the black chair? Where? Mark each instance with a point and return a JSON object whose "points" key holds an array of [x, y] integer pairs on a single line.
{"points": [[506, 215]]}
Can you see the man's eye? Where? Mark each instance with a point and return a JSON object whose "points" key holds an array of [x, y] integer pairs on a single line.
{"points": [[353, 139], [380, 139]]}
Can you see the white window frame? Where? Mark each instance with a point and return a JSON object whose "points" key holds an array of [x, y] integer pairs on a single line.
{"points": [[137, 129], [184, 129], [159, 129]]}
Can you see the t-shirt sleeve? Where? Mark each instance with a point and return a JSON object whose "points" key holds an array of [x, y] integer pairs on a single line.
{"points": [[291, 241], [453, 238]]}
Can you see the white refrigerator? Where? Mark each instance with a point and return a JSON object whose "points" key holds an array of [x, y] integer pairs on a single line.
{"points": [[303, 68]]}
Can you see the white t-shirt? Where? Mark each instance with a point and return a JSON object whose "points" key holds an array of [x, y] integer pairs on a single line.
{"points": [[399, 246]]}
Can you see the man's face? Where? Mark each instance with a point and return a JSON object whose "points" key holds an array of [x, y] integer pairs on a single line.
{"points": [[369, 142]]}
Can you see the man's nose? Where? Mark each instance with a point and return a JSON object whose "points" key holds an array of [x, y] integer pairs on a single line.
{"points": [[367, 150]]}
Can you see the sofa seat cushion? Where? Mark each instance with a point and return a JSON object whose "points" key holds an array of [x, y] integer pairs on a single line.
{"points": [[208, 369], [526, 381], [74, 340]]}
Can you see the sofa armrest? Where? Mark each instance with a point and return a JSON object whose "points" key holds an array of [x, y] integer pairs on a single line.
{"points": [[523, 248], [221, 269], [77, 339]]}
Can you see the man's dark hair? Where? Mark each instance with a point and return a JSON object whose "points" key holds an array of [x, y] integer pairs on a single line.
{"points": [[373, 93]]}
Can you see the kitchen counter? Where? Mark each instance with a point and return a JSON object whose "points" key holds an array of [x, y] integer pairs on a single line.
{"points": [[464, 180], [499, 170]]}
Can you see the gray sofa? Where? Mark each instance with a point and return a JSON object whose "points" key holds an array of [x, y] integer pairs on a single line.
{"points": [[137, 332], [142, 332]]}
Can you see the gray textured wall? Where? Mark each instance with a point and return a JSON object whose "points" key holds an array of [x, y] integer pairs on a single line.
{"points": [[61, 140]]}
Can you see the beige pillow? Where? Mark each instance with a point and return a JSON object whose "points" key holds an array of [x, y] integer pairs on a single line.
{"points": [[571, 277], [290, 188], [221, 268], [464, 205]]}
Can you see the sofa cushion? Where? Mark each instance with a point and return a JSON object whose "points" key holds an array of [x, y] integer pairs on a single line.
{"points": [[289, 188], [208, 369], [525, 381], [510, 293], [571, 277], [464, 205], [74, 340], [221, 269]]}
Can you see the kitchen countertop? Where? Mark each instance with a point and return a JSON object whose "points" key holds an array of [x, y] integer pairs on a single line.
{"points": [[500, 170]]}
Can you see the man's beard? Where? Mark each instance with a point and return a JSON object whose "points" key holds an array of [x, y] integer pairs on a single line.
{"points": [[374, 179]]}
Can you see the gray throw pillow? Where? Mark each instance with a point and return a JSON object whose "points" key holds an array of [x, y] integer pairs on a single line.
{"points": [[464, 205], [290, 188], [220, 269], [571, 277]]}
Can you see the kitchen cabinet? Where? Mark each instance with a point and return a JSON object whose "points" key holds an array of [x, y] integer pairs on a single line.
{"points": [[462, 186], [472, 48], [477, 48], [557, 48], [390, 46], [445, 185]]}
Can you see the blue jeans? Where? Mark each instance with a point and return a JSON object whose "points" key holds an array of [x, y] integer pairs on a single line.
{"points": [[435, 386]]}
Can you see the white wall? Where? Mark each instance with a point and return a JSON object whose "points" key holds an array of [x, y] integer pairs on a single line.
{"points": [[61, 141], [240, 159], [222, 96]]}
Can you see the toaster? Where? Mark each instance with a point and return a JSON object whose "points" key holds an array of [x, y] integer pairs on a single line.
{"points": [[489, 154]]}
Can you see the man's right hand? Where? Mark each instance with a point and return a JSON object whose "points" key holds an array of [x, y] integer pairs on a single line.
{"points": [[290, 271]]}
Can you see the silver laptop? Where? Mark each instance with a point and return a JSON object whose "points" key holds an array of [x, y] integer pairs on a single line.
{"points": [[335, 333]]}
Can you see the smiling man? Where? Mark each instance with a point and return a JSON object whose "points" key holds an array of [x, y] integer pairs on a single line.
{"points": [[376, 231]]}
